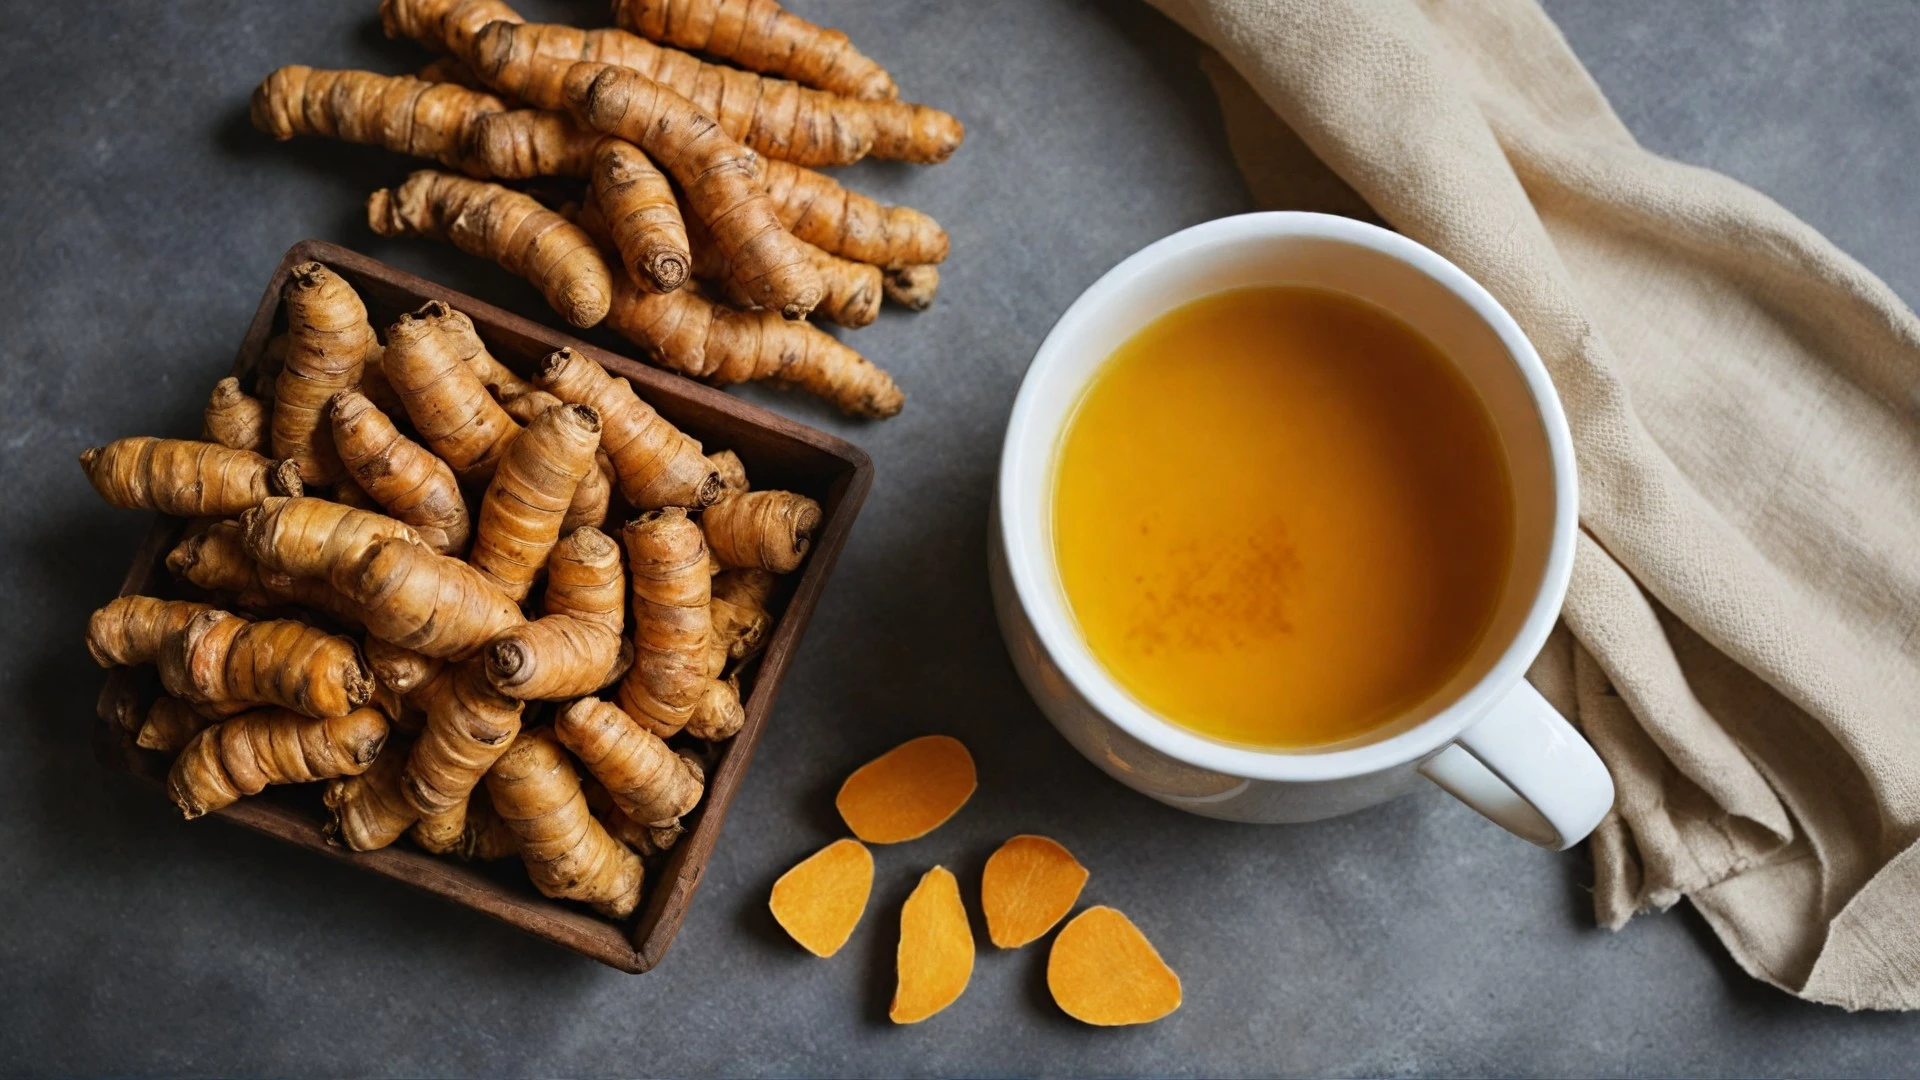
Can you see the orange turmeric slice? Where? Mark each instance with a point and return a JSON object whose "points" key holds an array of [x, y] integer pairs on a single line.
{"points": [[821, 899], [1104, 971], [1029, 885], [908, 791], [935, 959]]}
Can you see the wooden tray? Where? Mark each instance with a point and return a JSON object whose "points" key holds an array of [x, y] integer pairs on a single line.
{"points": [[778, 453]]}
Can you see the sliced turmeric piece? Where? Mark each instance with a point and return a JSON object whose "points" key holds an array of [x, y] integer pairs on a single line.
{"points": [[1104, 971], [821, 899], [908, 791], [1029, 885], [935, 958]]}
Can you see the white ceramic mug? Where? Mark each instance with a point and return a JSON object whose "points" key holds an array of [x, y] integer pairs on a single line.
{"points": [[1486, 737]]}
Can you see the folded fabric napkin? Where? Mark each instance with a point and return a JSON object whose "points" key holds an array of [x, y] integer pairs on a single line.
{"points": [[1742, 638]]}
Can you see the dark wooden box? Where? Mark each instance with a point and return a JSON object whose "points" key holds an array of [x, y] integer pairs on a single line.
{"points": [[778, 453]]}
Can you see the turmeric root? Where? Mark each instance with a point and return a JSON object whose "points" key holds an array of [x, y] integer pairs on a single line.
{"points": [[170, 725], [218, 560], [394, 707], [766, 530], [685, 332], [820, 900], [646, 778], [741, 617], [328, 339], [442, 25], [853, 226], [667, 567], [718, 714], [501, 381], [433, 604], [1104, 971], [715, 175], [220, 657], [912, 287], [368, 812], [504, 225], [348, 493], [850, 291], [241, 756], [469, 725], [774, 117], [642, 215], [567, 853], [235, 419], [530, 493], [427, 361], [760, 35], [642, 839], [922, 134], [908, 791], [317, 539], [123, 698], [398, 112], [770, 116], [404, 478], [487, 835], [184, 478], [576, 648], [273, 357], [654, 462], [520, 144], [591, 499], [935, 956], [732, 471], [529, 405], [133, 629], [451, 70], [373, 383], [442, 833], [401, 670]]}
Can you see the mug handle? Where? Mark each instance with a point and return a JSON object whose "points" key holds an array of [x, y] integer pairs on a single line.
{"points": [[1525, 768]]}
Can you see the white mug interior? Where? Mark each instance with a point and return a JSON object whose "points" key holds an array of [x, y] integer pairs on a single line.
{"points": [[1381, 267]]}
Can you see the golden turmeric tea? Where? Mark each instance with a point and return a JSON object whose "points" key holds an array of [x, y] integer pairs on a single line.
{"points": [[1281, 517]]}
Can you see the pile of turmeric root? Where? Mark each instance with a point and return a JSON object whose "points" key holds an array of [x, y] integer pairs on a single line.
{"points": [[413, 593], [703, 233]]}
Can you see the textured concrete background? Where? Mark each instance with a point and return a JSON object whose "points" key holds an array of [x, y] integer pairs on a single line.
{"points": [[140, 218]]}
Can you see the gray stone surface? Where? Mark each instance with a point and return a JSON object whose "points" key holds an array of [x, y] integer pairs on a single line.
{"points": [[140, 217]]}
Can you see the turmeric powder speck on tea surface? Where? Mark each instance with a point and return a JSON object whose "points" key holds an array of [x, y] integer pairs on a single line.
{"points": [[908, 791]]}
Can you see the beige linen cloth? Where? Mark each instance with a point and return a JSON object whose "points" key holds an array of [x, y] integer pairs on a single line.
{"points": [[1742, 638]]}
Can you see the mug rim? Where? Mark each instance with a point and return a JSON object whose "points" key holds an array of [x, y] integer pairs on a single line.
{"points": [[1029, 564]]}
